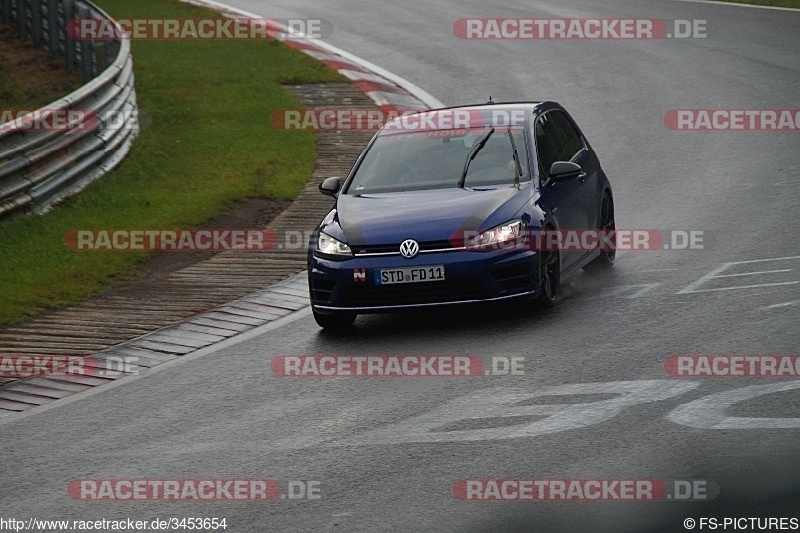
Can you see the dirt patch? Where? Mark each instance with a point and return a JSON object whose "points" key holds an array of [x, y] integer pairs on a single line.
{"points": [[30, 77], [245, 214]]}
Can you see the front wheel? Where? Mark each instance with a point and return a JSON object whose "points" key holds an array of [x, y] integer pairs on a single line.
{"points": [[549, 278], [334, 321], [606, 258]]}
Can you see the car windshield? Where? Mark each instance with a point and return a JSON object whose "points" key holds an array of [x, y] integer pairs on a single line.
{"points": [[436, 160]]}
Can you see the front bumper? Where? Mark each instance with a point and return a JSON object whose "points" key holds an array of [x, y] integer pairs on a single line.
{"points": [[470, 277]]}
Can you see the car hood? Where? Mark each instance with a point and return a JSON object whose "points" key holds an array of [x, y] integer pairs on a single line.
{"points": [[431, 215]]}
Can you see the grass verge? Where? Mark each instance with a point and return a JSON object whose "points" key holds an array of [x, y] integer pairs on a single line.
{"points": [[206, 141]]}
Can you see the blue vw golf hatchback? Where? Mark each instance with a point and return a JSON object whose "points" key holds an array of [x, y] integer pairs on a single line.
{"points": [[440, 208]]}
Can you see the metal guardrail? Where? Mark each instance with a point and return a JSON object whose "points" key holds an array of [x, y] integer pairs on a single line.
{"points": [[41, 166]]}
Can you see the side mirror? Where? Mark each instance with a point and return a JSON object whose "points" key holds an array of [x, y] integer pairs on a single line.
{"points": [[330, 186], [564, 170]]}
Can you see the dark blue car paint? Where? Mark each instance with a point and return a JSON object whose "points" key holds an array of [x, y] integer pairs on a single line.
{"points": [[439, 214]]}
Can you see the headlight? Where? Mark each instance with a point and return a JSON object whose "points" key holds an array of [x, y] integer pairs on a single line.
{"points": [[327, 245], [503, 237]]}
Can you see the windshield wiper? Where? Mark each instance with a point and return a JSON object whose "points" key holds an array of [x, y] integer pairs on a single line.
{"points": [[518, 172], [471, 156]]}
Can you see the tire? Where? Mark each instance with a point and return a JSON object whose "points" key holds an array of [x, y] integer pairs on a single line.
{"points": [[606, 258], [334, 321], [549, 278]]}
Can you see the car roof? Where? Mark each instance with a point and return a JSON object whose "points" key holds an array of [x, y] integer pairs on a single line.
{"points": [[526, 107]]}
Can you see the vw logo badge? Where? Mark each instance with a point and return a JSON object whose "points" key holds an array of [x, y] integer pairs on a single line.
{"points": [[409, 248]]}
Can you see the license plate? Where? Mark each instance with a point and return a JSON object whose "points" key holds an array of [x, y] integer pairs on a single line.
{"points": [[393, 276]]}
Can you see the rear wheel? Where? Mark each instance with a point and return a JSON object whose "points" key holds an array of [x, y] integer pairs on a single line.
{"points": [[549, 278], [334, 321], [606, 258]]}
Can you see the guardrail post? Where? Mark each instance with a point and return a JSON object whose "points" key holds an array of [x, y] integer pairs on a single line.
{"points": [[36, 24], [69, 44], [86, 47], [22, 9], [108, 53], [52, 26]]}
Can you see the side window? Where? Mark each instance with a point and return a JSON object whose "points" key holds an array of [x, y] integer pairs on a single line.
{"points": [[546, 144], [556, 140], [569, 140]]}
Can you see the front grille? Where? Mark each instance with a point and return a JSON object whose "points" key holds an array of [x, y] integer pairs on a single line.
{"points": [[395, 248], [414, 293], [515, 278]]}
